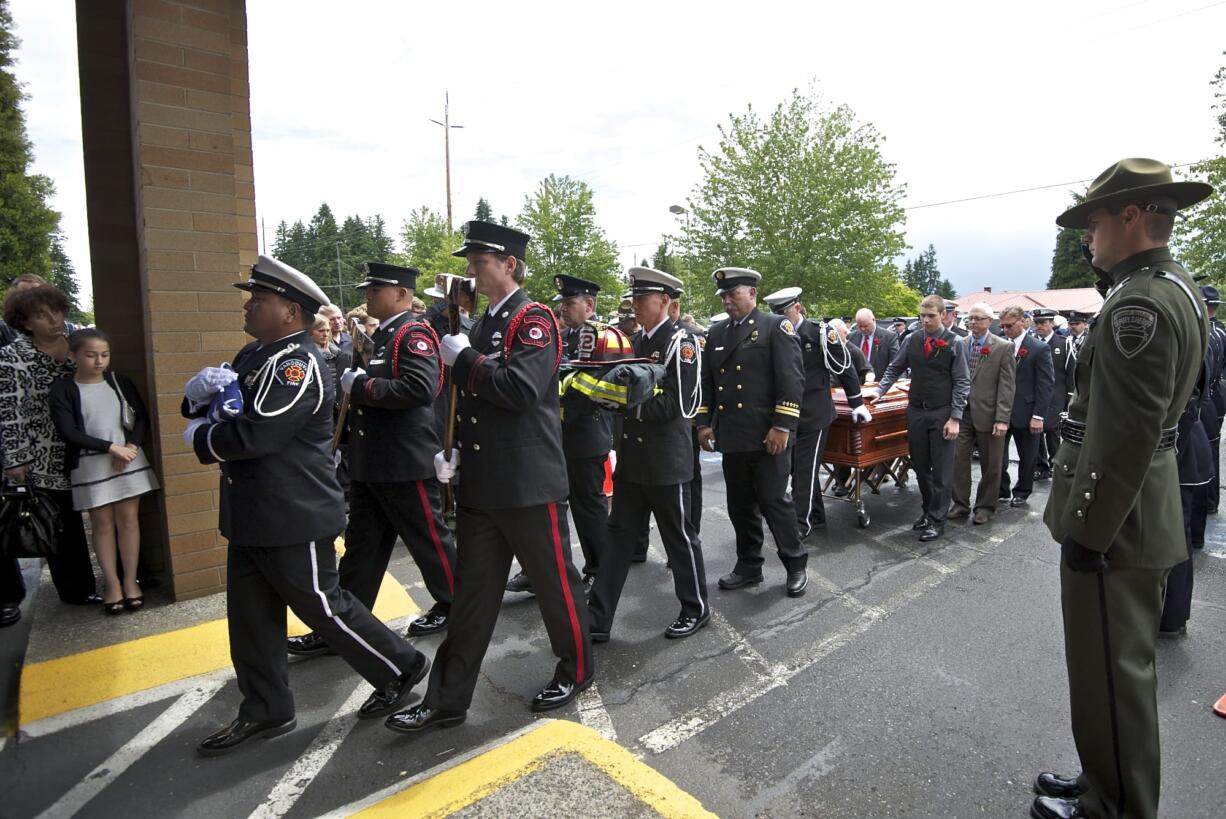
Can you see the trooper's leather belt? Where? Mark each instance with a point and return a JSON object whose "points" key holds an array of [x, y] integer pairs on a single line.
{"points": [[1075, 433]]}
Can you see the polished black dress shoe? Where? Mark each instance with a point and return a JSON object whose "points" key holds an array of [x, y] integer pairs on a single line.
{"points": [[921, 523], [1048, 807], [1057, 786], [420, 718], [239, 731], [684, 626], [841, 490], [433, 620], [1173, 634], [798, 581], [557, 694], [519, 583], [1042, 475], [598, 636], [392, 696], [9, 614], [934, 531], [1017, 502], [308, 645], [733, 580]]}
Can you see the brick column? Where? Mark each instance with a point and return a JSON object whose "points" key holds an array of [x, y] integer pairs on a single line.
{"points": [[172, 227]]}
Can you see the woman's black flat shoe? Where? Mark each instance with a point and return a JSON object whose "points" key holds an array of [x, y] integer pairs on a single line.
{"points": [[114, 608]]}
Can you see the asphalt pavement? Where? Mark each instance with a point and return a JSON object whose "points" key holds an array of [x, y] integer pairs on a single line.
{"points": [[912, 680]]}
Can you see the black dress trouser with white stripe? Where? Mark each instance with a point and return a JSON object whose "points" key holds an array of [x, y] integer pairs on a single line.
{"points": [[806, 479], [262, 581], [633, 505]]}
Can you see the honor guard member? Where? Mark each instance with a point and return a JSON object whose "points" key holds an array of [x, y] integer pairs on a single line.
{"points": [[281, 510], [1114, 506], [655, 465], [587, 435], [511, 501], [940, 384], [1217, 393], [694, 487], [950, 320], [1049, 441], [436, 317], [752, 383], [825, 358], [393, 491]]}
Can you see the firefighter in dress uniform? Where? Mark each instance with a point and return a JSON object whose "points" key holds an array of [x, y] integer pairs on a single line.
{"points": [[281, 510], [512, 498]]}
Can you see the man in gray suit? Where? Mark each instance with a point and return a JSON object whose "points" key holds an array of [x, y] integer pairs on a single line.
{"points": [[986, 421], [877, 345]]}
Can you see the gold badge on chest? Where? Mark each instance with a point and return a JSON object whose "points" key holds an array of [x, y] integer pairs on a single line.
{"points": [[753, 336]]}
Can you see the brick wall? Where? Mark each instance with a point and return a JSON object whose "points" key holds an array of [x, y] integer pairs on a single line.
{"points": [[192, 233]]}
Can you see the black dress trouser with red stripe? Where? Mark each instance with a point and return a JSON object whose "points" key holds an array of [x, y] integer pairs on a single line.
{"points": [[538, 537], [378, 512]]}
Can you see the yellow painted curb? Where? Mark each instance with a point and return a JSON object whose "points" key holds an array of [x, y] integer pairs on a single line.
{"points": [[95, 676], [471, 781]]}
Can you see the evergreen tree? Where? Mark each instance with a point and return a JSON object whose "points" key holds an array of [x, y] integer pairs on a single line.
{"points": [[1068, 266], [64, 276], [483, 214], [921, 274], [1200, 237], [27, 222]]}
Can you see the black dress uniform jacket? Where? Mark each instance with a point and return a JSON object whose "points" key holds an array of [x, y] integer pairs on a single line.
{"points": [[752, 380], [391, 417], [508, 380], [1058, 402], [587, 430], [287, 413], [817, 404], [654, 451]]}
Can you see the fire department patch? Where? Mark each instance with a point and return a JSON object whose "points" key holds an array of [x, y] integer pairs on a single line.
{"points": [[292, 372], [786, 326], [535, 332], [832, 336], [421, 344], [687, 353]]}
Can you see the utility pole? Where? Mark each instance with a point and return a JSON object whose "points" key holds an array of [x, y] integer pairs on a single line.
{"points": [[340, 288], [447, 126]]}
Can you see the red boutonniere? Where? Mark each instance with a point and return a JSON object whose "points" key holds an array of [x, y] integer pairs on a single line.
{"points": [[876, 342], [942, 343], [986, 351], [1021, 353]]}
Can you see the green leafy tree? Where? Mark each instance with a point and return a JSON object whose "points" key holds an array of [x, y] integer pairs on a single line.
{"points": [[27, 222], [1201, 237], [1068, 267], [428, 244], [803, 196], [561, 218], [483, 212]]}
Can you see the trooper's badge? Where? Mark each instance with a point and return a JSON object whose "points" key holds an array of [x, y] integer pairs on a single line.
{"points": [[1133, 329], [786, 326]]}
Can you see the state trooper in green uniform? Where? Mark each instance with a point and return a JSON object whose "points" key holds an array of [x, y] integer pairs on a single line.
{"points": [[1115, 512]]}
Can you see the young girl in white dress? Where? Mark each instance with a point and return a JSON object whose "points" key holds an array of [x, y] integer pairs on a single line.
{"points": [[102, 420]]}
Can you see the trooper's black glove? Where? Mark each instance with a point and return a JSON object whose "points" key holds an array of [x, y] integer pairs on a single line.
{"points": [[1081, 559]]}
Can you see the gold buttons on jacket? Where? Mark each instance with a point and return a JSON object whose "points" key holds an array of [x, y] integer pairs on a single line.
{"points": [[720, 408], [1087, 495], [1093, 476], [476, 447], [738, 406], [473, 419], [722, 371], [1080, 514], [738, 386], [738, 368]]}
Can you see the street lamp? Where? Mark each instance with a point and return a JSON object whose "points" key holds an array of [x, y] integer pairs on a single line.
{"points": [[677, 210]]}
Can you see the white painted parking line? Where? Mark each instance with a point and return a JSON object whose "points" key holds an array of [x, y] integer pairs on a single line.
{"points": [[676, 731], [842, 595], [759, 665], [114, 765], [294, 782], [592, 713]]}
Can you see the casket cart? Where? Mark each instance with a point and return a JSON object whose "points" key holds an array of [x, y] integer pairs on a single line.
{"points": [[873, 452]]}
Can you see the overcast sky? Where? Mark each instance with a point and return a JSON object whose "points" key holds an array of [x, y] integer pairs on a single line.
{"points": [[972, 98]]}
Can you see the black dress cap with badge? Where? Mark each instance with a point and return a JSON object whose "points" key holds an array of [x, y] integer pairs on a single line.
{"points": [[1133, 180], [951, 306], [729, 278], [644, 280], [277, 277], [1043, 314], [571, 286], [781, 300], [487, 237], [379, 274], [1075, 316]]}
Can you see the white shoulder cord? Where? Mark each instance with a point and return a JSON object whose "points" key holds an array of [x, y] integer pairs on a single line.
{"points": [[835, 369], [267, 373], [695, 397]]}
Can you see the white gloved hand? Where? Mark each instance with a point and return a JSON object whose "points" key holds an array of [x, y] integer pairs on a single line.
{"points": [[189, 434], [452, 346], [445, 470], [861, 415], [348, 377], [202, 386], [871, 378]]}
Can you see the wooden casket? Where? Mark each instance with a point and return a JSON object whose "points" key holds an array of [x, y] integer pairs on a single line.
{"points": [[879, 441]]}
